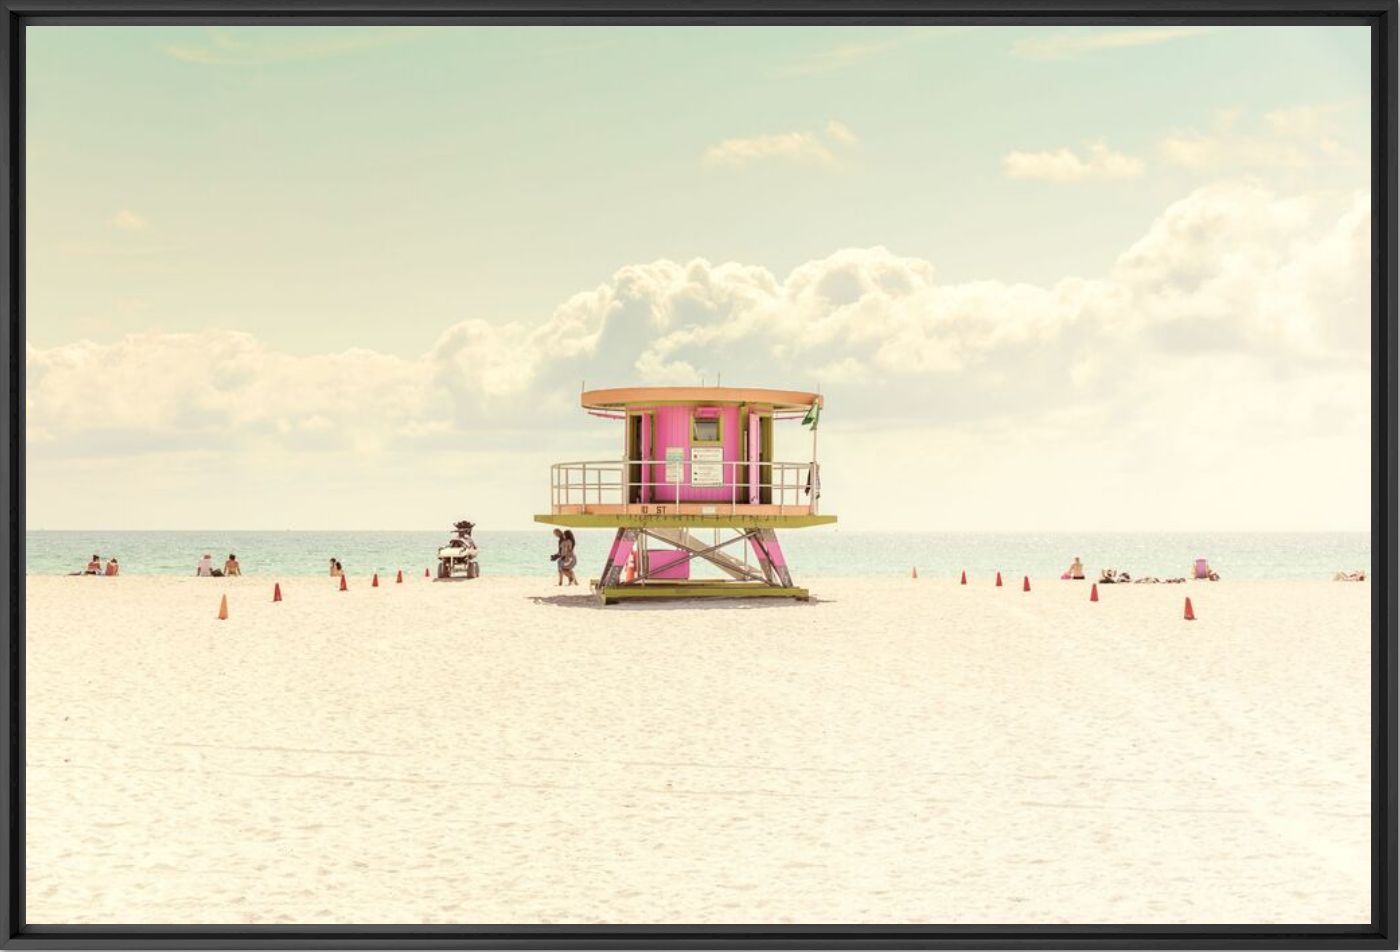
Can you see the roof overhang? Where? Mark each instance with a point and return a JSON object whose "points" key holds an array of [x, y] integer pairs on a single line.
{"points": [[621, 398]]}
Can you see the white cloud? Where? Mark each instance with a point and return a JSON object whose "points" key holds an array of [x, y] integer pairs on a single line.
{"points": [[839, 57], [793, 146], [801, 147], [127, 220], [239, 47], [1237, 324], [840, 132], [1077, 41], [1064, 165], [850, 54], [1295, 138]]}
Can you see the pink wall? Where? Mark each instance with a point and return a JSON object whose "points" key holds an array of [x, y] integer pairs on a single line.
{"points": [[672, 431]]}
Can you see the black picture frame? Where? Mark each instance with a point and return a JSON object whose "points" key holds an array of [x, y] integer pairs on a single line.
{"points": [[1379, 15]]}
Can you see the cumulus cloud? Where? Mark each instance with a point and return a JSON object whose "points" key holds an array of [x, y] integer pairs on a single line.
{"points": [[1076, 41], [801, 147], [1232, 268], [1237, 323], [1064, 165]]}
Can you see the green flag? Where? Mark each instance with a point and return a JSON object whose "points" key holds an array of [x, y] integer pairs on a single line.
{"points": [[813, 412]]}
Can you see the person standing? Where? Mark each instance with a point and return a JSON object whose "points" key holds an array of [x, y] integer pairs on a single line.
{"points": [[564, 559]]}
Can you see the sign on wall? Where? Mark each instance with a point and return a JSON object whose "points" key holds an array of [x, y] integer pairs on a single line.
{"points": [[675, 464], [707, 466]]}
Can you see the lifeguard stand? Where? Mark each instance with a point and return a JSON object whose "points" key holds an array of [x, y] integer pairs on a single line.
{"points": [[693, 458]]}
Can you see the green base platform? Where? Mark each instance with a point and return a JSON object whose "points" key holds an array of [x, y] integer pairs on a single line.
{"points": [[697, 589], [689, 521]]}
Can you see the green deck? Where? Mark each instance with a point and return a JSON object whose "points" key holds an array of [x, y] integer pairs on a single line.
{"points": [[715, 521], [696, 589]]}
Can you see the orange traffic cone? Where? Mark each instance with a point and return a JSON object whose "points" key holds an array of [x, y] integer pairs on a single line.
{"points": [[1190, 615], [998, 580], [223, 608], [964, 578], [399, 580], [374, 582], [916, 572], [277, 591], [342, 583], [1025, 583], [1094, 592]]}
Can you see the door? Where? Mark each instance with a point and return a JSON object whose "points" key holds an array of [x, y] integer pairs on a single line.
{"points": [[634, 457]]}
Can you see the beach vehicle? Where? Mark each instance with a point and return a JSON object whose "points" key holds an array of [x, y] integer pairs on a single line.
{"points": [[694, 460], [457, 559]]}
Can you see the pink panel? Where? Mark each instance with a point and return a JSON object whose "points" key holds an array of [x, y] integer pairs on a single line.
{"points": [[775, 551], [667, 564], [754, 448], [673, 431], [621, 548]]}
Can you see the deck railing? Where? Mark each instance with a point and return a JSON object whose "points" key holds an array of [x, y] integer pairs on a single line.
{"points": [[793, 487]]}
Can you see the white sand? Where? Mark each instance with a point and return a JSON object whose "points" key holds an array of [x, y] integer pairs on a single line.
{"points": [[899, 751]]}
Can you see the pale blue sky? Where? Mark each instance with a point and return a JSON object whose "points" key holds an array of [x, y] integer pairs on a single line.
{"points": [[977, 240], [383, 191]]}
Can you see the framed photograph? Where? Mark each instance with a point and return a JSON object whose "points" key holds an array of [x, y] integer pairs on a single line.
{"points": [[574, 473]]}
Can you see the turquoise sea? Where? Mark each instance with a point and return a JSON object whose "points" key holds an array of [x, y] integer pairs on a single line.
{"points": [[814, 552]]}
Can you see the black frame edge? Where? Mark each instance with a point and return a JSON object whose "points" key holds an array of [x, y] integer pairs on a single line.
{"points": [[1381, 933]]}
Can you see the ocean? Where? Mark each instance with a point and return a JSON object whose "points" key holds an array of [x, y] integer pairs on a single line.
{"points": [[812, 553]]}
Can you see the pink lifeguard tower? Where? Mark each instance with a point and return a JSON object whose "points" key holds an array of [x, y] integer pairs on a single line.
{"points": [[693, 458]]}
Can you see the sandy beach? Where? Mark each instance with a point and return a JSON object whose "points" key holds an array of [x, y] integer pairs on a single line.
{"points": [[502, 751]]}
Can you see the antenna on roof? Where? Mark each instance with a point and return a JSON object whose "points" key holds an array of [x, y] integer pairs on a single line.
{"points": [[718, 378]]}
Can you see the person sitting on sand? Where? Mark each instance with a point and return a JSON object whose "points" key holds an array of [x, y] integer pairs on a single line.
{"points": [[1076, 570], [336, 570], [231, 567], [205, 568], [564, 559], [94, 567], [112, 568]]}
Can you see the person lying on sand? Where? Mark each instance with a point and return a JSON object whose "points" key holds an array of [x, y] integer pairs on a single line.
{"points": [[1110, 576], [1357, 576]]}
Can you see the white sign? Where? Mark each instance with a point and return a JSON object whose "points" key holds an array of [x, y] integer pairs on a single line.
{"points": [[675, 464], [706, 466]]}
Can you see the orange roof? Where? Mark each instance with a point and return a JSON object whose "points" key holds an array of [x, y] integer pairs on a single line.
{"points": [[620, 397]]}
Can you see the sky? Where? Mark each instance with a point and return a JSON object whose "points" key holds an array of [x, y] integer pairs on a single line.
{"points": [[1047, 279]]}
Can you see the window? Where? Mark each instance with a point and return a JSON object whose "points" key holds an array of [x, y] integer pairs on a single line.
{"points": [[704, 431]]}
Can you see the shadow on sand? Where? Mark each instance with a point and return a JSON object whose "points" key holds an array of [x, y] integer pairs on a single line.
{"points": [[588, 600]]}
